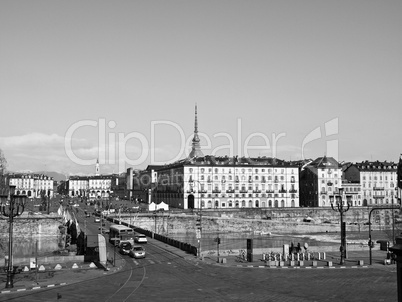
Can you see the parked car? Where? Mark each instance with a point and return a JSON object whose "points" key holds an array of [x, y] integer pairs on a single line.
{"points": [[125, 247], [140, 238], [137, 251], [96, 219]]}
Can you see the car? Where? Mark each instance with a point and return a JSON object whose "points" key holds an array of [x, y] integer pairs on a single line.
{"points": [[88, 214], [96, 219], [125, 247], [137, 251], [140, 238]]}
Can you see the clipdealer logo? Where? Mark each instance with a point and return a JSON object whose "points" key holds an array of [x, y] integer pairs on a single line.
{"points": [[108, 142]]}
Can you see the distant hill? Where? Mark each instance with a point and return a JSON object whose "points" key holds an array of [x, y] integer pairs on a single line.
{"points": [[56, 176]]}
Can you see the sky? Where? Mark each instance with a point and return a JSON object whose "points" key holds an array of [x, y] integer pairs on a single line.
{"points": [[118, 81]]}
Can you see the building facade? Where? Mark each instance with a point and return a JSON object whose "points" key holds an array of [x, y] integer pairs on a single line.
{"points": [[221, 182], [378, 182], [32, 185], [319, 180], [90, 187]]}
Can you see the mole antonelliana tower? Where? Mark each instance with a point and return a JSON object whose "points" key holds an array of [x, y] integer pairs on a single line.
{"points": [[196, 148]]}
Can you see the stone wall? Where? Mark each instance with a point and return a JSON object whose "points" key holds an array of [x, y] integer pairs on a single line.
{"points": [[264, 221], [186, 224], [31, 226]]}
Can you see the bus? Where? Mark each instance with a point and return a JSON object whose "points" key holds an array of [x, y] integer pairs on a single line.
{"points": [[119, 233]]}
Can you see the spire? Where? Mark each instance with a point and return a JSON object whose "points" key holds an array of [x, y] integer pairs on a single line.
{"points": [[196, 148], [97, 167]]}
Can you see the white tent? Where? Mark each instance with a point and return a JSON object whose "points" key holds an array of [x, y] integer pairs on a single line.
{"points": [[152, 206], [160, 206], [163, 206]]}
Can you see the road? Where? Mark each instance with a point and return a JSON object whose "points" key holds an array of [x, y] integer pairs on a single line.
{"points": [[165, 276]]}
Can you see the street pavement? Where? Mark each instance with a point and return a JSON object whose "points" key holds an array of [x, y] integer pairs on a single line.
{"points": [[67, 275]]}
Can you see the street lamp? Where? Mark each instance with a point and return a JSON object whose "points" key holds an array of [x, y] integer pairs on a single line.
{"points": [[339, 207], [11, 206]]}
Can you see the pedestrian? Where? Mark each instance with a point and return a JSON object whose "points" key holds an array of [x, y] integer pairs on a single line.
{"points": [[291, 248]]}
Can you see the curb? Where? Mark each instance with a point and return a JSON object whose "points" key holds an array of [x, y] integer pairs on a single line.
{"points": [[47, 286], [32, 288]]}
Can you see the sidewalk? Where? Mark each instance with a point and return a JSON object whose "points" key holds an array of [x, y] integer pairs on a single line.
{"points": [[51, 277]]}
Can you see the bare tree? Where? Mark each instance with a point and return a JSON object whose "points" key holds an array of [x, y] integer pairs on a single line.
{"points": [[3, 169]]}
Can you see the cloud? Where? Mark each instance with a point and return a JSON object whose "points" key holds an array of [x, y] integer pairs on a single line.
{"points": [[41, 151]]}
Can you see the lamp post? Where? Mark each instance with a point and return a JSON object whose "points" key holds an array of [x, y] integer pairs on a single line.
{"points": [[339, 207], [199, 220], [11, 206]]}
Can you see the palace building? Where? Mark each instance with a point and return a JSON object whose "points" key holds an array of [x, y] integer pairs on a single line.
{"points": [[207, 182], [32, 185], [377, 180]]}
